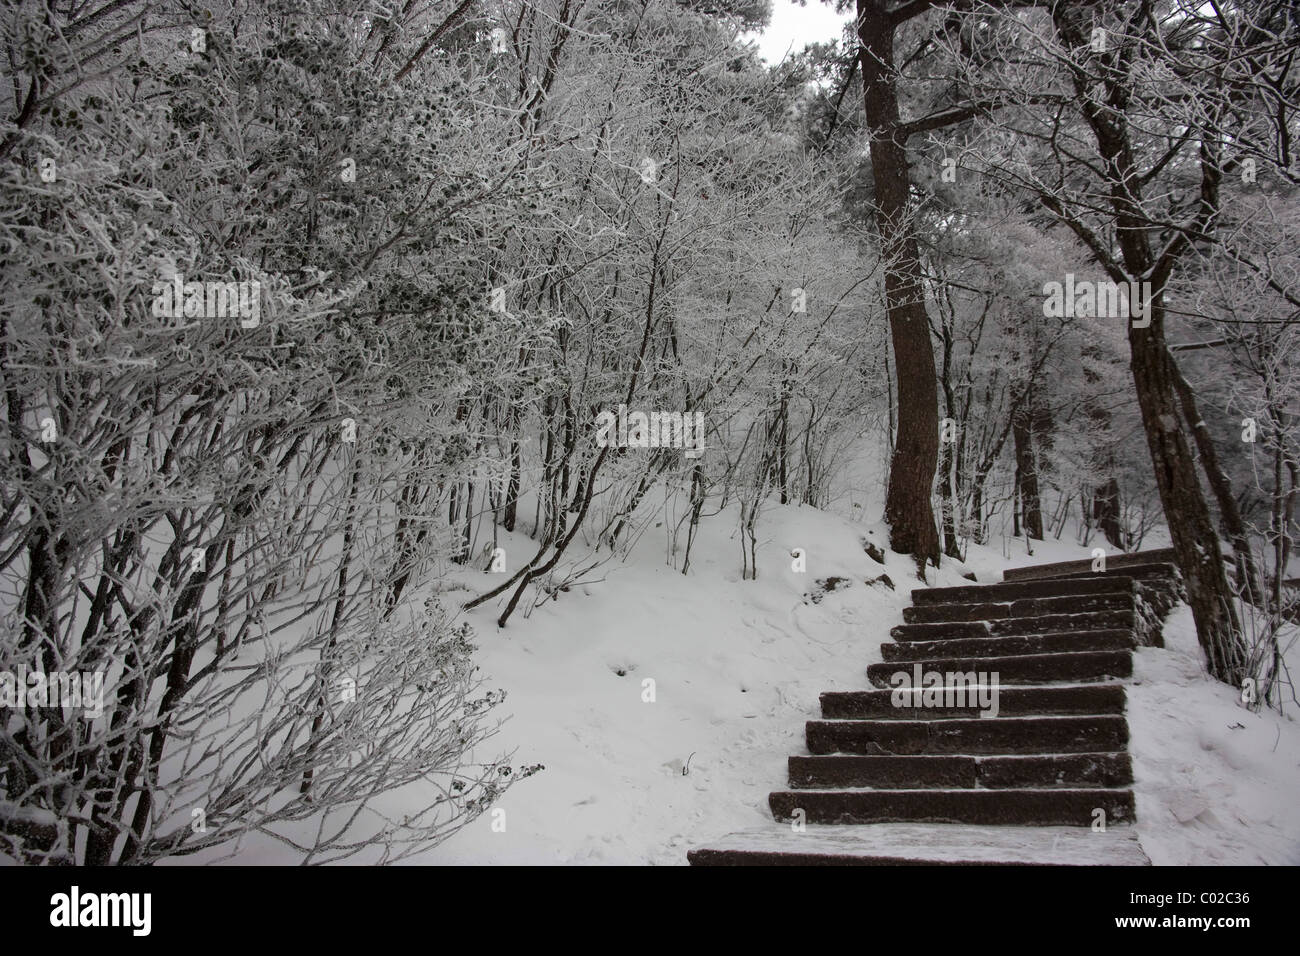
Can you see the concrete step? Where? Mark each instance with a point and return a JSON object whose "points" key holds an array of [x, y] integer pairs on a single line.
{"points": [[1023, 590], [1073, 667], [1041, 624], [1028, 607], [1063, 699], [968, 735], [921, 844], [1017, 807], [1102, 640], [961, 771]]}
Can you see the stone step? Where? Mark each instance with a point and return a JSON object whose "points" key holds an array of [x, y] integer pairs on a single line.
{"points": [[1144, 573], [1101, 640], [1040, 624], [1073, 667], [967, 735], [886, 772], [1037, 749], [1023, 590], [922, 844], [1064, 699], [1115, 563], [961, 771], [1028, 607], [1014, 807], [1043, 771]]}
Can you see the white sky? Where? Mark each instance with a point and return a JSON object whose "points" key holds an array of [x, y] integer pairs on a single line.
{"points": [[793, 26]]}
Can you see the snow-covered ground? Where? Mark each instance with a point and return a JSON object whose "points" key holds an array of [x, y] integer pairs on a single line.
{"points": [[664, 706], [1216, 783], [737, 667]]}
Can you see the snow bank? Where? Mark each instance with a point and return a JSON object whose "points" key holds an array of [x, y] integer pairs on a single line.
{"points": [[1216, 783]]}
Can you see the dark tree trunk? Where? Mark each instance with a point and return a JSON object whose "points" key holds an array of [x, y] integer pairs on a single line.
{"points": [[1190, 526], [1105, 513], [949, 457], [1027, 474], [908, 509], [948, 499], [1221, 485], [512, 486], [1195, 541], [782, 448]]}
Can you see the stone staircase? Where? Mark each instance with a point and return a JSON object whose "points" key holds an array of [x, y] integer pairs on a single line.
{"points": [[897, 775]]}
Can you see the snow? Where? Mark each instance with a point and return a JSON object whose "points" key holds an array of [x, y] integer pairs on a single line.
{"points": [[1216, 782], [950, 843], [738, 667]]}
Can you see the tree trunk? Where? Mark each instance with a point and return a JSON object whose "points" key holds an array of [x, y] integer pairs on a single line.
{"points": [[908, 509], [948, 502], [1221, 485], [1105, 512], [1195, 541], [512, 486], [782, 447], [1027, 475]]}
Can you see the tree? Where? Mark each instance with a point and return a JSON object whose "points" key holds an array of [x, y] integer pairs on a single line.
{"points": [[204, 512], [1139, 107], [908, 509]]}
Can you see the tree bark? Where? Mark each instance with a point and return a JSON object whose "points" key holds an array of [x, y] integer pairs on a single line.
{"points": [[512, 485], [908, 509], [1221, 485], [1105, 511], [1027, 474], [1195, 541]]}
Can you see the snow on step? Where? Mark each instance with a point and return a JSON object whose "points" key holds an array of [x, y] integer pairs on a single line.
{"points": [[1019, 669], [1023, 607], [1137, 564], [1024, 590], [1081, 699], [1044, 624], [901, 844], [1111, 639]]}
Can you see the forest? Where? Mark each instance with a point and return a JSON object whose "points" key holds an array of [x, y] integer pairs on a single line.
{"points": [[310, 310]]}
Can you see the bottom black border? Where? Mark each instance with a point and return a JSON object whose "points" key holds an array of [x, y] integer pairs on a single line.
{"points": [[334, 906]]}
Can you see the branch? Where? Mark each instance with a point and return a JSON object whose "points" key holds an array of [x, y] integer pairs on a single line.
{"points": [[1208, 208], [1193, 346], [944, 118], [913, 8], [1086, 235], [452, 19]]}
